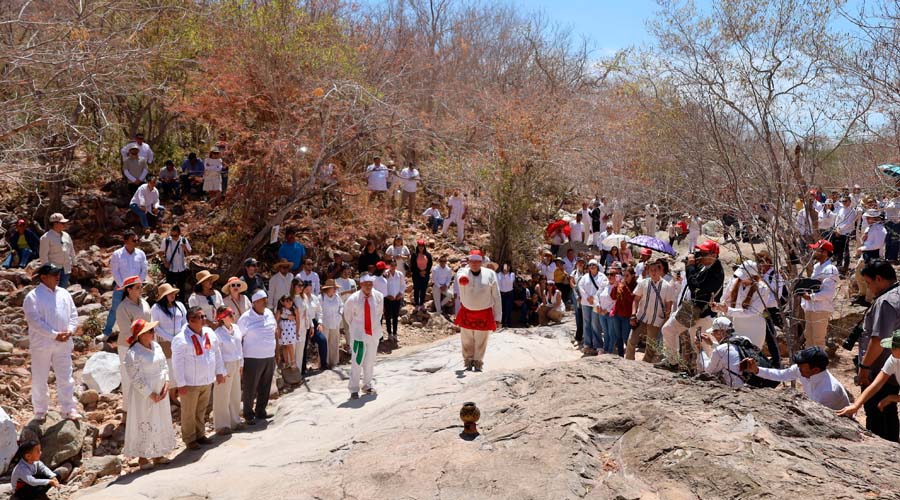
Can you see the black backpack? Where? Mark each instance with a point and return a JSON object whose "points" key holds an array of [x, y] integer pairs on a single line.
{"points": [[747, 349]]}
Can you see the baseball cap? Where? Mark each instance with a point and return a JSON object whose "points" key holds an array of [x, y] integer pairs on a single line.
{"points": [[893, 341], [380, 265], [709, 246], [824, 245], [720, 323], [58, 217], [251, 262]]}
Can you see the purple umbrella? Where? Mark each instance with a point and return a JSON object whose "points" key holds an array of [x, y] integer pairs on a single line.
{"points": [[652, 243]]}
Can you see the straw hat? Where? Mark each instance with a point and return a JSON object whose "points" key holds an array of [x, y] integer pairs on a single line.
{"points": [[328, 284], [205, 275], [131, 280], [283, 263], [234, 279], [140, 327], [165, 289]]}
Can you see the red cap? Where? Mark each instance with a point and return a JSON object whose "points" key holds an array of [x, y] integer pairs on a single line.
{"points": [[646, 251], [420, 243], [380, 265], [20, 222], [824, 245], [476, 255], [709, 246]]}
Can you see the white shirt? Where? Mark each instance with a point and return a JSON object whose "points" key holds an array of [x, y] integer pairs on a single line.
{"points": [[694, 226], [330, 311], [146, 198], [603, 300], [577, 233], [892, 367], [190, 369], [651, 299], [144, 151], [823, 300], [258, 331], [457, 207], [313, 277], [380, 285], [822, 387], [547, 269], [377, 177], [599, 240], [480, 292], [826, 219], [396, 283], [845, 220], [345, 285], [441, 275], [354, 314], [586, 288], [169, 326], [432, 212], [409, 179], [212, 166], [125, 265], [49, 312], [401, 251], [202, 301], [230, 344], [725, 360], [174, 251], [279, 286], [875, 236], [57, 248], [506, 281], [892, 210], [770, 287]]}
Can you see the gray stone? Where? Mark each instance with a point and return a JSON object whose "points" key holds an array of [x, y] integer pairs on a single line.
{"points": [[63, 471], [61, 440], [101, 372], [103, 466], [8, 439], [87, 309]]}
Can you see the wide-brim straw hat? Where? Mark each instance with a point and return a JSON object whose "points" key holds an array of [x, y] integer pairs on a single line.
{"points": [[206, 275], [165, 289], [328, 284], [232, 280], [283, 263], [140, 327]]}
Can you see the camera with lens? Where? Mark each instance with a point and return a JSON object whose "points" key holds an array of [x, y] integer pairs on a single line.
{"points": [[851, 340]]}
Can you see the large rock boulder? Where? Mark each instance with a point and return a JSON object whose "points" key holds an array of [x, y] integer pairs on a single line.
{"points": [[8, 439], [101, 372], [60, 439]]}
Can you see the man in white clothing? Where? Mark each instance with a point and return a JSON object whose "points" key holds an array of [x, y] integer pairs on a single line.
{"points": [[818, 305], [197, 364], [844, 224], [56, 248], [441, 277], [307, 274], [134, 168], [377, 176], [811, 369], [694, 229], [586, 222], [145, 203], [52, 321], [144, 150], [652, 303], [576, 228], [409, 180], [280, 282], [618, 215], [258, 326], [362, 312], [393, 299], [872, 246], [457, 206], [125, 262], [720, 358], [433, 218], [175, 250], [480, 309]]}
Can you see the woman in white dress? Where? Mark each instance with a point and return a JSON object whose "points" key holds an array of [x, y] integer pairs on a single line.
{"points": [[227, 396], [212, 175], [149, 434], [744, 304], [233, 291], [171, 316]]}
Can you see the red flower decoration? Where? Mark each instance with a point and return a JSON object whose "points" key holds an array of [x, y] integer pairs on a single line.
{"points": [[463, 281]]}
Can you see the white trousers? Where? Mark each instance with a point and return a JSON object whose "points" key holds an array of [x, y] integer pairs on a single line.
{"points": [[455, 219], [672, 331], [692, 241], [298, 349], [474, 344], [362, 361], [440, 299], [59, 356], [122, 348], [227, 398]]}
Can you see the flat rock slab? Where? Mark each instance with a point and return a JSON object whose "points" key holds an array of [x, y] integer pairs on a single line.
{"points": [[552, 426]]}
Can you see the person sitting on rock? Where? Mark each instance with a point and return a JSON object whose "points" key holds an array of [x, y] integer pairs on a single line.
{"points": [[811, 369], [31, 478], [24, 244], [145, 204]]}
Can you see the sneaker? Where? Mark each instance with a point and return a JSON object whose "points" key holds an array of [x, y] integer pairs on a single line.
{"points": [[250, 421], [354, 395], [73, 415], [204, 440]]}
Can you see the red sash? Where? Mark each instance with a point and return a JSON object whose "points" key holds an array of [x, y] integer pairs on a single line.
{"points": [[482, 320], [197, 349]]}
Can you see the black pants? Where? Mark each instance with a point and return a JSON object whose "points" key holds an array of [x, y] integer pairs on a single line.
{"points": [[579, 323], [391, 316], [566, 290], [178, 280], [29, 492], [420, 289], [883, 424], [841, 250], [772, 318], [506, 301], [321, 342], [256, 383]]}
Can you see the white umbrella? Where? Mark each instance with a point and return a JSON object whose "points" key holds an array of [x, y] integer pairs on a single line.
{"points": [[614, 240]]}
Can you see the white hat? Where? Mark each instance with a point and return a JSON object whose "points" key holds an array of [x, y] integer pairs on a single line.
{"points": [[259, 294], [872, 213], [593, 262], [367, 278], [747, 270], [720, 323]]}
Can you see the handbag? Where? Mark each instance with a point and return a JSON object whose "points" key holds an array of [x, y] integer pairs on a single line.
{"points": [[688, 312]]}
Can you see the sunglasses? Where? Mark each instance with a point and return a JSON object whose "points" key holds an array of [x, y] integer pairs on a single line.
{"points": [[235, 285]]}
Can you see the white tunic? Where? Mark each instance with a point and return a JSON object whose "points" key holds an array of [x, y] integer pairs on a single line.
{"points": [[481, 292], [354, 314], [148, 432]]}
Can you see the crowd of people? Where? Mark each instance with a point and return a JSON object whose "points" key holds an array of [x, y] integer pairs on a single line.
{"points": [[196, 341]]}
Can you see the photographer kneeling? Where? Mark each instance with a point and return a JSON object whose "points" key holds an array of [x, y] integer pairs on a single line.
{"points": [[718, 357], [811, 369]]}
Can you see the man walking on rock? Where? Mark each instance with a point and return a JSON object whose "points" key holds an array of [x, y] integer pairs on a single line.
{"points": [[480, 309], [362, 312]]}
